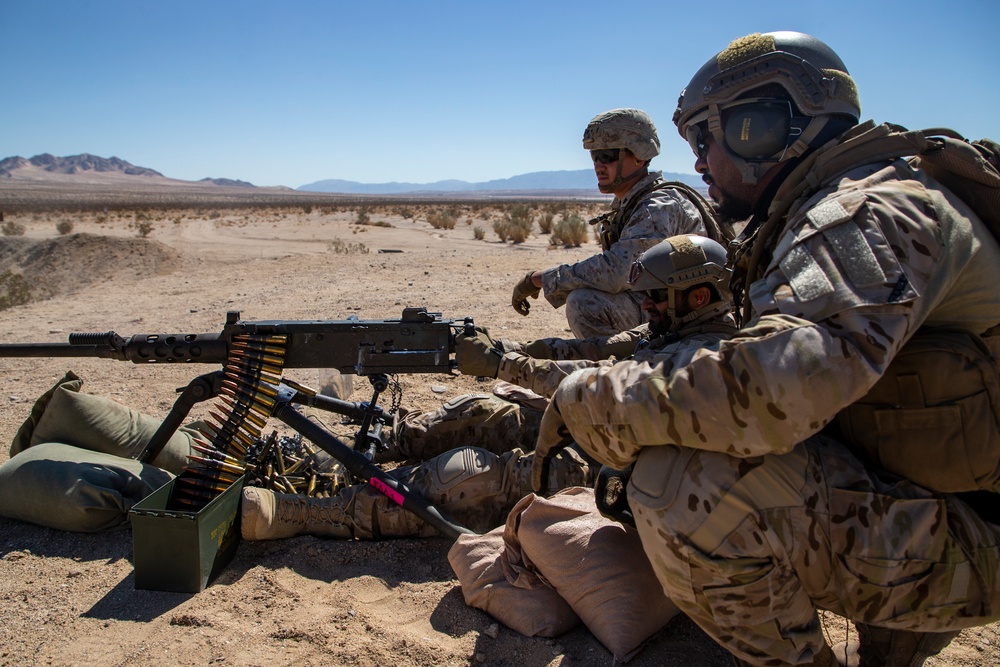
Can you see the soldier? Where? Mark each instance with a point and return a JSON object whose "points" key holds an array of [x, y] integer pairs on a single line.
{"points": [[646, 209], [753, 510], [683, 284]]}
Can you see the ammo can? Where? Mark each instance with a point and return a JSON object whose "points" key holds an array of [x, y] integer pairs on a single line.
{"points": [[182, 551]]}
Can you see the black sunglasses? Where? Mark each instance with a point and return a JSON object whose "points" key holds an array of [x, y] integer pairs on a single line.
{"points": [[657, 295], [605, 156]]}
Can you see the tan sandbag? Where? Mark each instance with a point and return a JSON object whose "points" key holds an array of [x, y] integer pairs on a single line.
{"points": [[529, 606], [66, 415], [597, 565]]}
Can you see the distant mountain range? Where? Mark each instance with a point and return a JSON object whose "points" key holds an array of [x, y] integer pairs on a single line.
{"points": [[94, 169], [580, 179]]}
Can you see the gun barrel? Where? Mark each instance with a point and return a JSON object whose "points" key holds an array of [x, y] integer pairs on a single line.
{"points": [[50, 350], [139, 349]]}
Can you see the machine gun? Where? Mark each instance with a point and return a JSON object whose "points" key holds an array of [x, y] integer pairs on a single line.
{"points": [[254, 354]]}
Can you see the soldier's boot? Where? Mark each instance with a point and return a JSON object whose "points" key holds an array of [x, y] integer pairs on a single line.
{"points": [[899, 648], [266, 515]]}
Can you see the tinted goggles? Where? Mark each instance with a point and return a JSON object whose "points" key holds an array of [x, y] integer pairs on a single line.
{"points": [[696, 139], [606, 155]]}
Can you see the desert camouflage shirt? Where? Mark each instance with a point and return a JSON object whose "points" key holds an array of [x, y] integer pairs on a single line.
{"points": [[663, 214], [856, 270], [542, 376]]}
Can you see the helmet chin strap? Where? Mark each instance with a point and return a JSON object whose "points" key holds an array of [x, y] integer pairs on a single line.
{"points": [[622, 180]]}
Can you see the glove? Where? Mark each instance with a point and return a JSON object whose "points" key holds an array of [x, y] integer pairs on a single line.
{"points": [[610, 495], [522, 291], [553, 437], [477, 354]]}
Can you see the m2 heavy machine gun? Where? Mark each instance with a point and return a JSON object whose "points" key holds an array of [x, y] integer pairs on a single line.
{"points": [[251, 388]]}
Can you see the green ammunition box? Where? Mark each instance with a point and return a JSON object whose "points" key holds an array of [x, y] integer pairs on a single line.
{"points": [[178, 550]]}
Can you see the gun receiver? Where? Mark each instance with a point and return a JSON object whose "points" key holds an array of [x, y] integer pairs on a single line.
{"points": [[418, 342]]}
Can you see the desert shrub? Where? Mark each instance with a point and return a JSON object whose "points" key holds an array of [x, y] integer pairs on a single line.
{"points": [[14, 290], [545, 222], [516, 223], [569, 232], [339, 247], [143, 228], [362, 217], [445, 219], [214, 215], [11, 228], [478, 233], [307, 209], [64, 227]]}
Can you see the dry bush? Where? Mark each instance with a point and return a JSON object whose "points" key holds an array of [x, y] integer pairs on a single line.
{"points": [[339, 247], [445, 219], [569, 232], [64, 227], [478, 233], [11, 228], [14, 289], [516, 223]]}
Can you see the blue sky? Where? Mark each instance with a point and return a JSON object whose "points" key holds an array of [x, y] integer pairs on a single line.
{"points": [[292, 92]]}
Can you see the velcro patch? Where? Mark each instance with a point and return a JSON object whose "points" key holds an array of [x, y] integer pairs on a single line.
{"points": [[855, 255], [805, 275], [828, 213]]}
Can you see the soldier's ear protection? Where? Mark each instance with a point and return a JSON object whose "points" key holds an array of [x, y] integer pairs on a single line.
{"points": [[761, 129]]}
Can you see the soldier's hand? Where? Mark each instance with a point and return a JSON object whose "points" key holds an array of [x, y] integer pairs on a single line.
{"points": [[553, 437], [524, 289], [477, 354]]}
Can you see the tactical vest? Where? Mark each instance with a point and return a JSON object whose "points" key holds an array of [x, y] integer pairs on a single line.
{"points": [[934, 416], [611, 224]]}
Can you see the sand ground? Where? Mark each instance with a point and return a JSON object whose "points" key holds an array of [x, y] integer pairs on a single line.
{"points": [[69, 599]]}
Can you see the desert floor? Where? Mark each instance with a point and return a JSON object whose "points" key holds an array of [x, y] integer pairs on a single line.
{"points": [[69, 599]]}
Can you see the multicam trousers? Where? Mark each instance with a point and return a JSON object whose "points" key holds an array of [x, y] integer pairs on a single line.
{"points": [[751, 548], [480, 420], [474, 487]]}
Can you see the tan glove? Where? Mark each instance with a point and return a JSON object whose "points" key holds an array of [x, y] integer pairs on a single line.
{"points": [[553, 437], [477, 354], [522, 291]]}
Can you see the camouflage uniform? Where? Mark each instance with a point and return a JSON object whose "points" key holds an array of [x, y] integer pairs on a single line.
{"points": [[477, 486], [752, 515], [595, 290]]}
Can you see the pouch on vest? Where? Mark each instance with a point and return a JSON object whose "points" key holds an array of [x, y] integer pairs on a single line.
{"points": [[933, 416]]}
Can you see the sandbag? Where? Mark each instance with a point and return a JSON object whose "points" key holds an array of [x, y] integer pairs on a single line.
{"points": [[597, 565], [524, 604]]}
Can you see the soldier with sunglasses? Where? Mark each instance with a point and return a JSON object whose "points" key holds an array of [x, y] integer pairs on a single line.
{"points": [[645, 210]]}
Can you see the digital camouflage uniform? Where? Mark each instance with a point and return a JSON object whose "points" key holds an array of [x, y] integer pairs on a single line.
{"points": [[595, 290], [752, 515], [477, 486]]}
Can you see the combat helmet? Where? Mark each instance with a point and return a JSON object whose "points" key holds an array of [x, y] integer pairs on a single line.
{"points": [[632, 129], [762, 130], [678, 263]]}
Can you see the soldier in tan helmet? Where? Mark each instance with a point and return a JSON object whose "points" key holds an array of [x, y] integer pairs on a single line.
{"points": [[646, 209], [840, 452]]}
